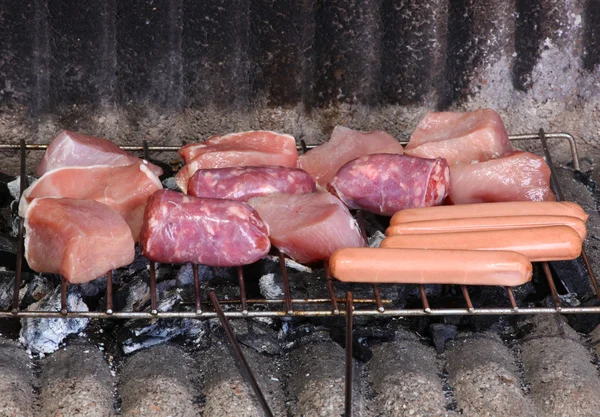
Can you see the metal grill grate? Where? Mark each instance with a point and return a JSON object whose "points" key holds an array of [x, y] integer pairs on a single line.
{"points": [[287, 306]]}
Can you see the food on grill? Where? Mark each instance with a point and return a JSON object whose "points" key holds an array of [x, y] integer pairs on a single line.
{"points": [[485, 223], [521, 176], [252, 148], [420, 266], [386, 183], [323, 161], [181, 229], [72, 149], [517, 208], [79, 239], [551, 243], [460, 138], [244, 183], [308, 227], [123, 188]]}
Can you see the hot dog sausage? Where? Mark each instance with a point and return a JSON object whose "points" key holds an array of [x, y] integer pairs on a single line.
{"points": [[552, 243], [415, 266], [485, 223], [521, 208]]}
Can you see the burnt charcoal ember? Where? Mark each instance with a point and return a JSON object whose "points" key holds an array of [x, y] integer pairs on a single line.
{"points": [[141, 334], [45, 335], [572, 276], [259, 334], [38, 287], [7, 284], [583, 323], [185, 274], [135, 294], [170, 184], [440, 334], [8, 251], [360, 352]]}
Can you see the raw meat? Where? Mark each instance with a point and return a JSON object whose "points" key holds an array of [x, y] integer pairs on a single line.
{"points": [[251, 148], [79, 239], [244, 183], [124, 188], [72, 149], [460, 138], [521, 176], [308, 227], [385, 183], [208, 231], [323, 161]]}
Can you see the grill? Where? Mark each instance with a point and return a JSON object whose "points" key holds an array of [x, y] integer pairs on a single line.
{"points": [[326, 305]]}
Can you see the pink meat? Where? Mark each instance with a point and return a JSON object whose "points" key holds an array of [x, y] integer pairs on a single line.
{"points": [[308, 227], [385, 183], [252, 148], [323, 161], [79, 239], [72, 149], [124, 188], [521, 176], [460, 138], [180, 229], [244, 183]]}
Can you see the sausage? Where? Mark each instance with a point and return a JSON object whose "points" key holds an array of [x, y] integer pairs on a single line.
{"points": [[180, 229], [244, 183], [551, 243], [520, 208], [485, 223], [430, 266], [385, 183]]}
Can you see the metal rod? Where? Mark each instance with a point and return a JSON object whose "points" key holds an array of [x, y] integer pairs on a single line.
{"points": [[242, 289], [303, 146], [511, 297], [109, 291], [349, 360], [465, 292], [286, 283], [63, 296], [334, 305], [378, 298], [424, 299], [154, 310], [246, 371], [360, 216], [588, 266], [197, 289], [146, 150], [20, 247], [555, 297], [553, 177]]}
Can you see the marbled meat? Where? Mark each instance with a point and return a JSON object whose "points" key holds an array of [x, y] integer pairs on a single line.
{"points": [[323, 161], [124, 188], [179, 229], [244, 183], [79, 239], [460, 138], [72, 149], [385, 183], [251, 148], [521, 176], [308, 227]]}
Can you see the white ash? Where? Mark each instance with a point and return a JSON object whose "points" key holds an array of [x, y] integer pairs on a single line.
{"points": [[290, 263], [375, 240], [14, 187], [45, 335], [170, 184], [268, 288]]}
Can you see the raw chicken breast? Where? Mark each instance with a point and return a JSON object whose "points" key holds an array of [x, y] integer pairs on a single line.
{"points": [[521, 176], [244, 183], [79, 239], [385, 183], [308, 227], [323, 161], [253, 148], [72, 149], [125, 188], [208, 231], [460, 138]]}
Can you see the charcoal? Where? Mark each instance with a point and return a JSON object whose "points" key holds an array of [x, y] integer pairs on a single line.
{"points": [[38, 288], [573, 276], [185, 274], [584, 323], [141, 334], [375, 240], [7, 283], [360, 352], [440, 334], [257, 335], [170, 184], [45, 335], [8, 251]]}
